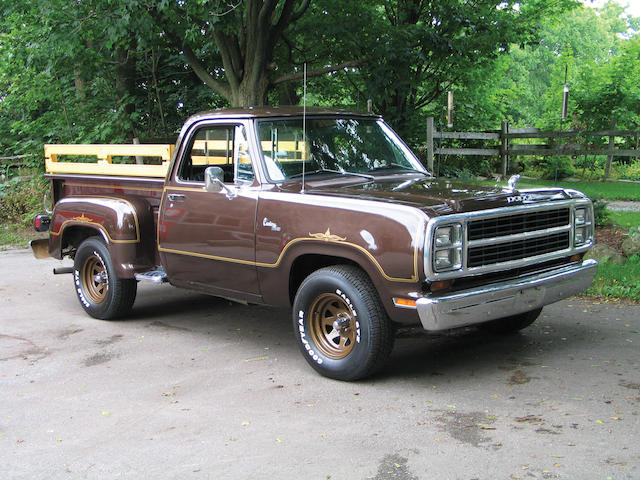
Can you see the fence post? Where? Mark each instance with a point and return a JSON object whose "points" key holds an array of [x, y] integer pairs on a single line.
{"points": [[504, 147], [430, 144], [612, 147]]}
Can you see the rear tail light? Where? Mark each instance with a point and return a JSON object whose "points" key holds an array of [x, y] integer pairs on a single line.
{"points": [[41, 223]]}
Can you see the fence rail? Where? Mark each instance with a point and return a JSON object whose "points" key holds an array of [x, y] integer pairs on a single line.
{"points": [[506, 148]]}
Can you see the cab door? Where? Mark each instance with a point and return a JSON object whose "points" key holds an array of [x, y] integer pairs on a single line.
{"points": [[207, 239]]}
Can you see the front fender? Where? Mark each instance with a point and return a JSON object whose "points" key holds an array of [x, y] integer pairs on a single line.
{"points": [[385, 240]]}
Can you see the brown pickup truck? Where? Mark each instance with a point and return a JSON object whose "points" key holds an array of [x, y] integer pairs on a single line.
{"points": [[327, 212]]}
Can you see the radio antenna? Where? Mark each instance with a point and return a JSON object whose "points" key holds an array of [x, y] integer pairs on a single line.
{"points": [[304, 121]]}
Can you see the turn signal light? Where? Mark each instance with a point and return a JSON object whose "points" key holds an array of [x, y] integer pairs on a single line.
{"points": [[441, 285], [404, 302]]}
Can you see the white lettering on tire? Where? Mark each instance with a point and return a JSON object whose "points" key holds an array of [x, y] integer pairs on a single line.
{"points": [[353, 312], [305, 342], [76, 280], [303, 335]]}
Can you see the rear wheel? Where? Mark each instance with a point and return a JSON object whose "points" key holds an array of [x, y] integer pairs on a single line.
{"points": [[342, 329], [513, 323], [101, 293]]}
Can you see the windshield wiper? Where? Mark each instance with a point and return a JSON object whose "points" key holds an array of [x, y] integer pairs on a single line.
{"points": [[328, 170], [393, 166]]}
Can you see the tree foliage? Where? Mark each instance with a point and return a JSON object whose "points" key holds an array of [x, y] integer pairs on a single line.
{"points": [[109, 71], [526, 86]]}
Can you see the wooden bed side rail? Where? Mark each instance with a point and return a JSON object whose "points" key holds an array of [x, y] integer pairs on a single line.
{"points": [[104, 153]]}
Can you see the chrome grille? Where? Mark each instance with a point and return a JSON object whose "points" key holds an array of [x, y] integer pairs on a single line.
{"points": [[514, 237], [514, 224], [516, 250], [507, 238]]}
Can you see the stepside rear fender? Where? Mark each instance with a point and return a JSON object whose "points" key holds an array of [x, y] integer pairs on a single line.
{"points": [[125, 224]]}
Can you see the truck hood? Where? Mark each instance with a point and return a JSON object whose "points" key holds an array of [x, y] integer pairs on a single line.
{"points": [[439, 197]]}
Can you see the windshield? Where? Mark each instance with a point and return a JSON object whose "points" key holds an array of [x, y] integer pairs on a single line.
{"points": [[332, 146]]}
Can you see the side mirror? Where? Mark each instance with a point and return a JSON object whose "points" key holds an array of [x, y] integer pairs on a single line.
{"points": [[214, 179], [214, 182]]}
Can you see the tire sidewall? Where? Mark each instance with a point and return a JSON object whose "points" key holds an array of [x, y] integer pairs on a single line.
{"points": [[93, 247], [357, 361]]}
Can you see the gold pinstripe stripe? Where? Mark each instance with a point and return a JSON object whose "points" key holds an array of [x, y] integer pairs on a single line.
{"points": [[412, 279]]}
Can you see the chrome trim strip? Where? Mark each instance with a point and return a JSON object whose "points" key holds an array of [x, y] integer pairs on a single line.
{"points": [[504, 299], [494, 267], [519, 236]]}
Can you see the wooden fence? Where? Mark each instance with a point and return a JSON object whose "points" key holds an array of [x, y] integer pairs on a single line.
{"points": [[14, 161], [504, 143]]}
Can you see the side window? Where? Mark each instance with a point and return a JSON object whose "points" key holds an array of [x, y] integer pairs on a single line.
{"points": [[223, 146]]}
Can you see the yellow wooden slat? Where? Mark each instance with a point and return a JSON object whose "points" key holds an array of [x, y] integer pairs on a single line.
{"points": [[104, 168], [105, 153], [102, 151], [208, 160], [208, 145], [283, 146]]}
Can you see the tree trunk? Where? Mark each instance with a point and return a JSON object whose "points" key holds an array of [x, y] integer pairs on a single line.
{"points": [[246, 47], [79, 84], [126, 85], [250, 93]]}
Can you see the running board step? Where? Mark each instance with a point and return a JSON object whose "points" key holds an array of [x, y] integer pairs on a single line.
{"points": [[154, 276]]}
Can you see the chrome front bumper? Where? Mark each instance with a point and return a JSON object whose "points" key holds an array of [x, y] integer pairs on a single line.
{"points": [[499, 300]]}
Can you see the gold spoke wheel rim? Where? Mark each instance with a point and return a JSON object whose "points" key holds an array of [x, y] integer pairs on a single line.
{"points": [[95, 279], [333, 327]]}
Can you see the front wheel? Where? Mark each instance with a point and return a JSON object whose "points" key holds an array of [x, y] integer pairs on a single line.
{"points": [[513, 323], [101, 293], [342, 329]]}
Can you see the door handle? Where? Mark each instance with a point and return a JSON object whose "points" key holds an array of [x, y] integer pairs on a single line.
{"points": [[175, 197]]}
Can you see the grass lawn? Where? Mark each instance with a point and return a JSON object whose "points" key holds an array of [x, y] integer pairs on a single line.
{"points": [[625, 220], [605, 190], [17, 236], [618, 281]]}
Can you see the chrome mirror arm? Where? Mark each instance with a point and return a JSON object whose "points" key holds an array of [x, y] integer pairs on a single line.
{"points": [[213, 182]]}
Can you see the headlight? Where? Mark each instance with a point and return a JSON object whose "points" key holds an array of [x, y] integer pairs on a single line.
{"points": [[448, 259], [447, 248], [582, 226], [447, 236]]}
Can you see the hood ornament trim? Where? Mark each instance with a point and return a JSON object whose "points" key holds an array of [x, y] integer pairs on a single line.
{"points": [[513, 180]]}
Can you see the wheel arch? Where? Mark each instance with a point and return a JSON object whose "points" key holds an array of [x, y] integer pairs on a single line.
{"points": [[74, 235], [280, 285], [305, 264]]}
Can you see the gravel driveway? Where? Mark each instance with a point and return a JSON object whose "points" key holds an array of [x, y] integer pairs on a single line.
{"points": [[196, 387], [624, 206]]}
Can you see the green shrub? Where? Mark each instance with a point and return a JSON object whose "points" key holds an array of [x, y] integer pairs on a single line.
{"points": [[590, 167], [600, 211], [20, 200], [631, 171], [553, 168]]}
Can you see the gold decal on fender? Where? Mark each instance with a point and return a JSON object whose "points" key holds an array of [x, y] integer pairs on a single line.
{"points": [[82, 219], [327, 236]]}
